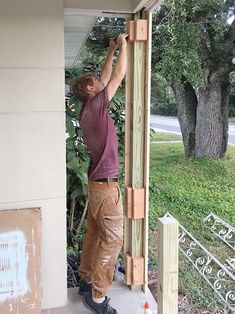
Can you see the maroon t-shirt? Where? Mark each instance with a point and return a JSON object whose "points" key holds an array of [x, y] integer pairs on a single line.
{"points": [[100, 137]]}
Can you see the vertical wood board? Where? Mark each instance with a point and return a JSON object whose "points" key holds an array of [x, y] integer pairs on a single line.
{"points": [[128, 139], [167, 266], [138, 114], [137, 145], [147, 143]]}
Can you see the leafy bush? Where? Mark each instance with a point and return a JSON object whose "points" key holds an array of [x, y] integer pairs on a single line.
{"points": [[164, 109], [77, 161], [78, 158]]}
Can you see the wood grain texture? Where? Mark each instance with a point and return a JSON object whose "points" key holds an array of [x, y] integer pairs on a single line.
{"points": [[137, 145], [128, 138], [128, 269], [167, 266], [147, 144], [138, 203], [129, 202], [138, 270], [141, 30]]}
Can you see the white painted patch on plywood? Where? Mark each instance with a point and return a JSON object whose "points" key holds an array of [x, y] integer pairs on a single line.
{"points": [[13, 265]]}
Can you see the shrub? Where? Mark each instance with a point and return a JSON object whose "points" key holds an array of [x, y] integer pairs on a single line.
{"points": [[164, 109]]}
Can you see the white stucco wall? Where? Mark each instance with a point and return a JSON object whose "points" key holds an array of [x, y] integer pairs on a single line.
{"points": [[32, 128]]}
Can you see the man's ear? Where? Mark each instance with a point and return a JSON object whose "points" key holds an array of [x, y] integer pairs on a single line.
{"points": [[90, 88]]}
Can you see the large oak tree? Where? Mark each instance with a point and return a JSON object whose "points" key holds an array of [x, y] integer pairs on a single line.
{"points": [[193, 48]]}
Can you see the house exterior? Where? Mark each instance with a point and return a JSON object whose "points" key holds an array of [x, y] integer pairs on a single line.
{"points": [[32, 115]]}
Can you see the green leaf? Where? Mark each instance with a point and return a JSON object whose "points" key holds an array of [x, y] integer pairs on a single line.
{"points": [[72, 100], [70, 144], [76, 193], [71, 155], [70, 127], [74, 164]]}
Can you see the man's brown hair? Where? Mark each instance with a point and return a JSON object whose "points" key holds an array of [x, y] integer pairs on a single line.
{"points": [[80, 84]]}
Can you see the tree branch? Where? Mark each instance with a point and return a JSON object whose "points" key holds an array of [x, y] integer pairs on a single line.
{"points": [[221, 71]]}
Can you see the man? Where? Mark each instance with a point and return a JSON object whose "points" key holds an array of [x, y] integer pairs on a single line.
{"points": [[104, 236]]}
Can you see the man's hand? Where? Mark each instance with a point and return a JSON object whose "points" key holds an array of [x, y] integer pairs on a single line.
{"points": [[120, 67], [118, 74], [112, 45], [121, 40]]}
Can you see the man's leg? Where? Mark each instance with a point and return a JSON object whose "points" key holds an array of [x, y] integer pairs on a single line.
{"points": [[89, 247], [108, 213]]}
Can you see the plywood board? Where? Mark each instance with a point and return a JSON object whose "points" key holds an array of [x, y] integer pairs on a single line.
{"points": [[20, 261]]}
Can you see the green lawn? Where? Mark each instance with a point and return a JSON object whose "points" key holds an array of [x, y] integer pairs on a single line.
{"points": [[190, 189], [164, 136]]}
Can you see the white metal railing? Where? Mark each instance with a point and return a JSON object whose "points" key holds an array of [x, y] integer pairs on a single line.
{"points": [[217, 275], [221, 229]]}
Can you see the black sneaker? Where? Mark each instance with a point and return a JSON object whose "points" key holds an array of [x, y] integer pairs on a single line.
{"points": [[84, 288], [100, 308]]}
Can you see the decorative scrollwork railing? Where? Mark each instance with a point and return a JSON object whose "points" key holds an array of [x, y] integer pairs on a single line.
{"points": [[221, 229], [217, 275], [230, 265]]}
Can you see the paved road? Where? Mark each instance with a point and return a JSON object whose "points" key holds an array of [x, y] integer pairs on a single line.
{"points": [[171, 124]]}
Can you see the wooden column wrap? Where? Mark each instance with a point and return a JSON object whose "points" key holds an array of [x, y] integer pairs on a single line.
{"points": [[141, 30], [137, 144], [135, 203], [138, 30], [138, 270], [128, 268], [131, 31], [138, 204], [128, 203], [134, 270]]}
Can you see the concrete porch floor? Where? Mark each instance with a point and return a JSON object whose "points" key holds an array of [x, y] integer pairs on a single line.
{"points": [[124, 300]]}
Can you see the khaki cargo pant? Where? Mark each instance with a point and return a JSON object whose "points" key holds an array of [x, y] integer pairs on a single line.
{"points": [[104, 236]]}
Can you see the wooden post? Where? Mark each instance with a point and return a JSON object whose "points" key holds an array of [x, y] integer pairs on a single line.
{"points": [[167, 294], [137, 150], [146, 144]]}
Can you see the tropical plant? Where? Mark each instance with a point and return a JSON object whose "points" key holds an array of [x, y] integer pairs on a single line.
{"points": [[77, 156], [77, 161]]}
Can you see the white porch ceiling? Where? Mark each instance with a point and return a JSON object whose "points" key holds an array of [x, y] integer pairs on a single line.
{"points": [[124, 6], [76, 31], [80, 16]]}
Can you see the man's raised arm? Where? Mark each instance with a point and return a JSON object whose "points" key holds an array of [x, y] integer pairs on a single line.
{"points": [[120, 67], [107, 68]]}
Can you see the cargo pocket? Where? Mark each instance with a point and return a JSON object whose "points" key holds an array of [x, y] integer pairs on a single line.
{"points": [[113, 229]]}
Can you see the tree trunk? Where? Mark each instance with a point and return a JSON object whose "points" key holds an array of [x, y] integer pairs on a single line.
{"points": [[226, 90], [212, 119], [187, 106]]}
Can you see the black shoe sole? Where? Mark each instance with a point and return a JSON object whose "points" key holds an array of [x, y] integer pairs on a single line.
{"points": [[88, 307]]}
